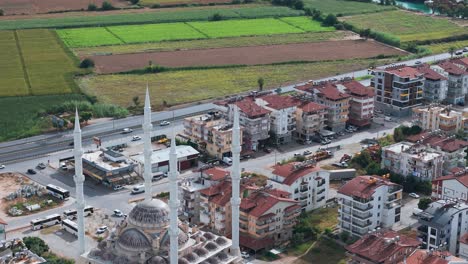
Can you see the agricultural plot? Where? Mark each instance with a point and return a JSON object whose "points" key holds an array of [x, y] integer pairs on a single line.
{"points": [[178, 87], [87, 37], [11, 7], [49, 68], [345, 7], [12, 81], [306, 24], [408, 26], [178, 2], [444, 47], [165, 15]]}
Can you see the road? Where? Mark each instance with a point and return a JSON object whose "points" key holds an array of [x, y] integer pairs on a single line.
{"points": [[43, 145]]}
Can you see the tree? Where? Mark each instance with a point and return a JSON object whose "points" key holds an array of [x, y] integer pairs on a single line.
{"points": [[260, 82], [299, 5], [87, 63], [460, 134], [106, 6], [330, 20], [424, 203], [136, 100], [36, 245], [92, 7], [134, 2], [451, 50], [86, 116], [1, 12], [216, 17], [365, 33]]}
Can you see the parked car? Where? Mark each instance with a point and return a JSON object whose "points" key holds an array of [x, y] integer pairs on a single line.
{"points": [[458, 52], [267, 150], [245, 255], [417, 211], [127, 130], [136, 138], [465, 49], [63, 166], [414, 195], [2, 166], [118, 187], [41, 166], [388, 119], [297, 154], [118, 213], [164, 123], [244, 157], [101, 229], [307, 152], [325, 141], [31, 171], [417, 62]]}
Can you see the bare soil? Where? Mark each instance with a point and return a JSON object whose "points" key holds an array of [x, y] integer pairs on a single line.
{"points": [[318, 51], [10, 182], [12, 7]]}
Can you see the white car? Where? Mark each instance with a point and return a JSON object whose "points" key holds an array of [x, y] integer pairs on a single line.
{"points": [[127, 130], [101, 229], [2, 166], [164, 123], [245, 255], [118, 213], [414, 195], [136, 138]]}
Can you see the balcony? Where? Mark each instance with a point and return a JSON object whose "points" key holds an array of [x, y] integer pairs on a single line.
{"points": [[346, 219], [362, 216], [265, 223], [304, 188], [360, 223], [321, 191], [243, 227], [304, 196], [363, 208], [188, 196], [243, 219]]}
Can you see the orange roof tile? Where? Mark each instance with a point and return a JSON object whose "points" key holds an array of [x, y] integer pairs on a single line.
{"points": [[279, 102], [404, 72], [364, 186], [216, 173], [250, 108], [287, 171]]}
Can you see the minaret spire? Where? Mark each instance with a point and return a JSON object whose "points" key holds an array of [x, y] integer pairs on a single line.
{"points": [[235, 174], [79, 180], [148, 151], [173, 202]]}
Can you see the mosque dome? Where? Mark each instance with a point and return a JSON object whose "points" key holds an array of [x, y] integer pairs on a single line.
{"points": [[150, 214], [157, 260], [134, 240]]}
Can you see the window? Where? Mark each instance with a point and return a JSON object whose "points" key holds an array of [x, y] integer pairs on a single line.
{"points": [[397, 218], [380, 198]]}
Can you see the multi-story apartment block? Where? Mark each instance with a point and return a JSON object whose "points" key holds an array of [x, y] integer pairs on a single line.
{"points": [[381, 247], [406, 158], [368, 202], [254, 119], [457, 80], [190, 192], [452, 186], [282, 116], [361, 105], [422, 256], [435, 84], [337, 104], [452, 149], [310, 120], [215, 207], [306, 183], [463, 252], [438, 117], [212, 134], [442, 225], [398, 89]]}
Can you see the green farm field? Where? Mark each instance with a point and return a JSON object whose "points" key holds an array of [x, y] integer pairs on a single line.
{"points": [[177, 87], [345, 8], [88, 37], [444, 47], [37, 64], [408, 26], [165, 15], [215, 43]]}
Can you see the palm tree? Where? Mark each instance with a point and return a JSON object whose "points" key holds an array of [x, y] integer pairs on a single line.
{"points": [[451, 50]]}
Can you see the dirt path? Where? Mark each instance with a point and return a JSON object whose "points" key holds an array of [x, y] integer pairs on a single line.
{"points": [[318, 51]]}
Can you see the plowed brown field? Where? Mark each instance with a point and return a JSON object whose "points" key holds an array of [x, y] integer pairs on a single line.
{"points": [[17, 7]]}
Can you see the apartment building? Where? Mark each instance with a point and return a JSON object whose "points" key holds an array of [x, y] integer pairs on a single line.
{"points": [[307, 184], [361, 105], [368, 202], [434, 117], [282, 115], [435, 84], [417, 160], [463, 252], [452, 186], [457, 80], [254, 119], [337, 103], [452, 149], [398, 89], [381, 247], [190, 192], [422, 256], [310, 120], [212, 134], [442, 225]]}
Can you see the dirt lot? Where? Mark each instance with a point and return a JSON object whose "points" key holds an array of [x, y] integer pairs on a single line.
{"points": [[11, 7], [10, 182], [330, 50]]}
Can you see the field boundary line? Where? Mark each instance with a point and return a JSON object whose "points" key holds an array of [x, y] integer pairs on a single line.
{"points": [[23, 63], [305, 31], [115, 35], [196, 29]]}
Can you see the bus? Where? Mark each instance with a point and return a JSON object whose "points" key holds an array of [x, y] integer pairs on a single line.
{"points": [[72, 213], [49, 220], [70, 226], [58, 192]]}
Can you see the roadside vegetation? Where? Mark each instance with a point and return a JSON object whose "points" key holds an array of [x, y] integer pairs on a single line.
{"points": [[437, 48], [39, 247]]}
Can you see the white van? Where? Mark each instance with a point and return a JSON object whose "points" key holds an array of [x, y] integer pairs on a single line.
{"points": [[63, 166], [417, 211], [138, 189], [158, 176], [227, 161]]}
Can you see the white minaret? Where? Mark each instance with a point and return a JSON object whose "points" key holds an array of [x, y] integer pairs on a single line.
{"points": [[79, 180], [173, 203], [235, 174], [148, 150]]}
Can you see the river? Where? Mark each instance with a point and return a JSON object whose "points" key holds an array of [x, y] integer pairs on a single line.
{"points": [[412, 6]]}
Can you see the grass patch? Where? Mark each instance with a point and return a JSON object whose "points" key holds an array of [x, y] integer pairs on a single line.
{"points": [[159, 16], [214, 43], [345, 7], [444, 47], [325, 251], [182, 86], [84, 37], [12, 78], [323, 218], [407, 26], [306, 24]]}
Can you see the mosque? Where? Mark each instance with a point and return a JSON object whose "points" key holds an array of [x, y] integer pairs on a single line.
{"points": [[152, 232]]}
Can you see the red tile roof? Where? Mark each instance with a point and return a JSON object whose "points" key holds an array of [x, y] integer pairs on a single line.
{"points": [[255, 243], [292, 208], [305, 87], [2, 222], [250, 108], [421, 256], [445, 144], [310, 107], [279, 193], [461, 61], [451, 68], [258, 203], [404, 72], [430, 74], [464, 239], [364, 186], [356, 88], [219, 194], [417, 137], [460, 177], [216, 173], [329, 91], [279, 102], [287, 171], [376, 248]]}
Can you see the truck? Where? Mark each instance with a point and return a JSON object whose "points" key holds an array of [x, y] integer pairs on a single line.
{"points": [[138, 189], [321, 155]]}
